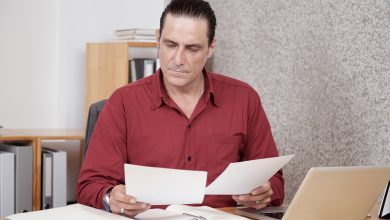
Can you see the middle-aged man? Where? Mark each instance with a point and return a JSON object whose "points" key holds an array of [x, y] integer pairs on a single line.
{"points": [[181, 117]]}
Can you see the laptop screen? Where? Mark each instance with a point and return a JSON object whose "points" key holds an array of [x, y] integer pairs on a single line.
{"points": [[333, 193]]}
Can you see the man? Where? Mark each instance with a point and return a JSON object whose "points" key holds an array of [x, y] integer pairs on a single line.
{"points": [[182, 117]]}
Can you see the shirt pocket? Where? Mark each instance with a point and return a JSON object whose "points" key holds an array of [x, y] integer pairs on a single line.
{"points": [[224, 149], [220, 150]]}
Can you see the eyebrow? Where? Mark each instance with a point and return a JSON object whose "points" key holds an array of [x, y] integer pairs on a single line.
{"points": [[187, 45]]}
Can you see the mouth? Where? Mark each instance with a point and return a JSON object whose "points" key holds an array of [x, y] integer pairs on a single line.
{"points": [[177, 72]]}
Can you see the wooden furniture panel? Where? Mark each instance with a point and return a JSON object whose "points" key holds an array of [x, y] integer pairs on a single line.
{"points": [[107, 69]]}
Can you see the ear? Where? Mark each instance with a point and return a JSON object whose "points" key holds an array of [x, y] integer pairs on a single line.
{"points": [[211, 48], [158, 37]]}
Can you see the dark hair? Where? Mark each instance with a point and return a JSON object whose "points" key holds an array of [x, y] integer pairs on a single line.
{"points": [[191, 8]]}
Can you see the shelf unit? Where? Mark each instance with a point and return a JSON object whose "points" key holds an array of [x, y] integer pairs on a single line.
{"points": [[107, 68], [34, 137]]}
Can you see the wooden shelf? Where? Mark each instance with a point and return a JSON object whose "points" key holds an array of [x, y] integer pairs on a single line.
{"points": [[107, 68], [35, 138]]}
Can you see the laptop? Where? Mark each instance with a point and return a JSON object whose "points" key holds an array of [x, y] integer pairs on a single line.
{"points": [[346, 193]]}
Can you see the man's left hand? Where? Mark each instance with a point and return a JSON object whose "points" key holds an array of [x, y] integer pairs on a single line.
{"points": [[259, 198]]}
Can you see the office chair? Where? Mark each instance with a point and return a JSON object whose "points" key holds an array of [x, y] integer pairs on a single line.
{"points": [[93, 114]]}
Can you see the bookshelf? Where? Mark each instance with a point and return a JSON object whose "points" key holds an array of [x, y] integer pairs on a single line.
{"points": [[34, 137], [107, 68]]}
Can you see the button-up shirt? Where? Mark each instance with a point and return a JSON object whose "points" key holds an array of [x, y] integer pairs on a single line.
{"points": [[140, 124]]}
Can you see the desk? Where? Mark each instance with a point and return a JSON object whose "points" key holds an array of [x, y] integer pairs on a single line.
{"points": [[35, 138], [373, 213]]}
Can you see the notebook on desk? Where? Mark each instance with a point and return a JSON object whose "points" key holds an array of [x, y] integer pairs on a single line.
{"points": [[333, 193]]}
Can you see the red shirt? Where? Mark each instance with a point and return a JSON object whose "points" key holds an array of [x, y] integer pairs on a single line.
{"points": [[141, 125]]}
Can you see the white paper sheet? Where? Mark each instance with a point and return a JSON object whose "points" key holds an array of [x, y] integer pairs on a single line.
{"points": [[161, 186], [243, 177], [74, 212]]}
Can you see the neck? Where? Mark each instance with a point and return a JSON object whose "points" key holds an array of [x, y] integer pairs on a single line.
{"points": [[187, 97]]}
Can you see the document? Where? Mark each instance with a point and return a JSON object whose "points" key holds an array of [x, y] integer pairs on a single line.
{"points": [[184, 212], [74, 212], [243, 177], [162, 186]]}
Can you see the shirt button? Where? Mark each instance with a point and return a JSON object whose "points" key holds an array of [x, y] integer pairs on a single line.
{"points": [[189, 126], [189, 158]]}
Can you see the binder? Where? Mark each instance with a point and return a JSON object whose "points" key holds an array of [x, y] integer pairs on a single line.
{"points": [[141, 67], [72, 149], [23, 175], [7, 182], [53, 178], [384, 210], [46, 180]]}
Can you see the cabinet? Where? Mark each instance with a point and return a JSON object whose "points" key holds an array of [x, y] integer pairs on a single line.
{"points": [[34, 137], [107, 68]]}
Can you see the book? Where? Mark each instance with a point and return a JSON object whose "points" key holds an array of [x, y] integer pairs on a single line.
{"points": [[137, 38], [7, 183], [185, 212], [134, 40], [134, 31]]}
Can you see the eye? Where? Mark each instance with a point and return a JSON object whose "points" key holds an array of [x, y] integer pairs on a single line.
{"points": [[170, 45], [193, 49]]}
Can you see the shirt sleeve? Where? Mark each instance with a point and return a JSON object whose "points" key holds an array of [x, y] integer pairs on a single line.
{"points": [[260, 143], [103, 165]]}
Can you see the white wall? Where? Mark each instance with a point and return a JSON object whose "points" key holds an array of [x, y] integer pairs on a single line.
{"points": [[42, 54], [28, 63]]}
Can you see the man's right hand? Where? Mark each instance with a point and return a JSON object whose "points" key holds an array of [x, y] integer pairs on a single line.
{"points": [[123, 204]]}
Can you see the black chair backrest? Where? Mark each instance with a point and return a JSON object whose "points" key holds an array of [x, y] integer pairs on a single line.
{"points": [[93, 115]]}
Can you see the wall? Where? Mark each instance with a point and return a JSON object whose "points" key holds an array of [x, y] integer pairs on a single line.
{"points": [[322, 70], [93, 21], [42, 54], [29, 63]]}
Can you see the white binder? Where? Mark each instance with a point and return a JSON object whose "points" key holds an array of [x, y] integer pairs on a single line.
{"points": [[384, 210], [53, 178], [7, 182], [23, 175]]}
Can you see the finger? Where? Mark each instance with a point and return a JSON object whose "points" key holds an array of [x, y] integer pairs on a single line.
{"points": [[118, 193], [259, 190], [250, 198], [132, 213], [266, 201], [130, 207], [119, 200], [258, 204]]}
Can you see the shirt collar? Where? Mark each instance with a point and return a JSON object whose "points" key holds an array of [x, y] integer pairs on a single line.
{"points": [[160, 93]]}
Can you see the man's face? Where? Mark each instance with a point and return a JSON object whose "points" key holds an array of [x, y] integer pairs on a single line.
{"points": [[184, 50]]}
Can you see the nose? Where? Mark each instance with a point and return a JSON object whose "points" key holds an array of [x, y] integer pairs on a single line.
{"points": [[179, 56]]}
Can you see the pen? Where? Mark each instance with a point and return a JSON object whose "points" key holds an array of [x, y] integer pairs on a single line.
{"points": [[196, 217]]}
